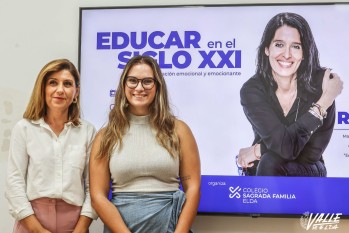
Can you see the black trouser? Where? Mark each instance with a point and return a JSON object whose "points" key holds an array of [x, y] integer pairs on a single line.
{"points": [[273, 165]]}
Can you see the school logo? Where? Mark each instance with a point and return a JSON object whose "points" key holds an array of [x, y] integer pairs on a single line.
{"points": [[234, 192]]}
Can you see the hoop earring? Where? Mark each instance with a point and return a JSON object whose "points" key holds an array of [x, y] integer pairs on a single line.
{"points": [[75, 100]]}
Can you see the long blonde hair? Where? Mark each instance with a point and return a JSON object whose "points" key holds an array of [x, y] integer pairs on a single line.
{"points": [[36, 107], [161, 117]]}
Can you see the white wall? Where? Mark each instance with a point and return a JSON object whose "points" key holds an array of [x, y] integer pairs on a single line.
{"points": [[35, 32]]}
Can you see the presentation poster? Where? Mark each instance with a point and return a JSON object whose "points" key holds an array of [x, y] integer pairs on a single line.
{"points": [[206, 54]]}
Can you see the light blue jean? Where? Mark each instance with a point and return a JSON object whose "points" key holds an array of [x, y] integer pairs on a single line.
{"points": [[149, 212]]}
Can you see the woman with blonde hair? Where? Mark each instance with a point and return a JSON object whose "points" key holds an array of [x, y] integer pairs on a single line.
{"points": [[47, 178], [145, 152]]}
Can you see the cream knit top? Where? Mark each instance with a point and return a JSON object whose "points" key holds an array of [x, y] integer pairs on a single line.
{"points": [[143, 165]]}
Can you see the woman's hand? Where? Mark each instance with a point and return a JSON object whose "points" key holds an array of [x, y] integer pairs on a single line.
{"points": [[248, 155], [45, 231], [332, 86], [83, 224], [33, 225]]}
